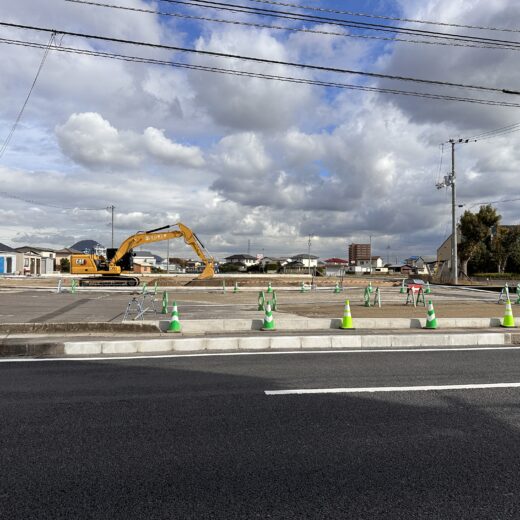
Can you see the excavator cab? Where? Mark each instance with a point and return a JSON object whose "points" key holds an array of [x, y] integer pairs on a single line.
{"points": [[126, 263]]}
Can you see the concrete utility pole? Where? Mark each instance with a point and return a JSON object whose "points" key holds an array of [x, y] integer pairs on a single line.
{"points": [[112, 208], [454, 260], [309, 255], [449, 181]]}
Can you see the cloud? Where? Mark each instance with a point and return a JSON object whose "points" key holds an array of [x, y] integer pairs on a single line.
{"points": [[93, 142]]}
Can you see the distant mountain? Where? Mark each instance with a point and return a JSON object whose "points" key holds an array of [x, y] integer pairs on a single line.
{"points": [[86, 245]]}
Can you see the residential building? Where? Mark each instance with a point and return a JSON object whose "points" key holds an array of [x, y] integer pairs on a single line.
{"points": [[142, 267], [66, 253], [29, 263], [306, 259], [335, 266], [47, 255], [357, 252], [145, 257], [444, 251], [246, 260], [7, 260]]}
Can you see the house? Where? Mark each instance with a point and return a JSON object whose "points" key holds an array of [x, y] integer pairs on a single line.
{"points": [[306, 259], [145, 257], [423, 265], [47, 256], [66, 253], [246, 260], [142, 267], [29, 262], [444, 251], [7, 260], [335, 267]]}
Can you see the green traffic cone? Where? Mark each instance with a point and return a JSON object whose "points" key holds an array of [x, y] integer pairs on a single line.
{"points": [[261, 301], [164, 303], [268, 318], [509, 320], [269, 288], [337, 289], [402, 290], [431, 320], [175, 324], [346, 322], [235, 289], [428, 289]]}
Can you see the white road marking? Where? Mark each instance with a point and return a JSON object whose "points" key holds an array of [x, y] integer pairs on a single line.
{"points": [[263, 353], [390, 389]]}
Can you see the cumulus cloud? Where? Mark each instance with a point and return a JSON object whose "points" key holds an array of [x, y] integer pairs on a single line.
{"points": [[92, 141]]}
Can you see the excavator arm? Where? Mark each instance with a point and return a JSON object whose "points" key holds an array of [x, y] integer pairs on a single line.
{"points": [[157, 235]]}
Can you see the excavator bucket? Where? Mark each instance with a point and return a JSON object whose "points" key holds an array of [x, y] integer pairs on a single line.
{"points": [[209, 272]]}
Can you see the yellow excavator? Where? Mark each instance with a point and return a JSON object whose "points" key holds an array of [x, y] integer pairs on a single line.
{"points": [[108, 270]]}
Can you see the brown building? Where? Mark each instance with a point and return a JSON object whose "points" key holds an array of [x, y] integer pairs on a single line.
{"points": [[359, 252]]}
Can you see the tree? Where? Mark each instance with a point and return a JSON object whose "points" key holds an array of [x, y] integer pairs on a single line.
{"points": [[503, 244], [65, 265], [475, 228]]}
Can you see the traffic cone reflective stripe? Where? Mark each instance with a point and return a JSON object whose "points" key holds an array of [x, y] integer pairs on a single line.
{"points": [[431, 320], [175, 324], [346, 322], [509, 320], [268, 318]]}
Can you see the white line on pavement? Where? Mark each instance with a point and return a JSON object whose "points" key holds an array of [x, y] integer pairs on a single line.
{"points": [[390, 389], [264, 353]]}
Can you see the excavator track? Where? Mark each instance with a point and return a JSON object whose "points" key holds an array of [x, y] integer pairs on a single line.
{"points": [[109, 281]]}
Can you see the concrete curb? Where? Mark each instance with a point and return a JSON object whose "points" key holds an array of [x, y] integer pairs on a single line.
{"points": [[244, 324], [75, 327], [274, 343]]}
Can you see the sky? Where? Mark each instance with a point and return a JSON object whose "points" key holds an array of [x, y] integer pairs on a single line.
{"points": [[248, 162]]}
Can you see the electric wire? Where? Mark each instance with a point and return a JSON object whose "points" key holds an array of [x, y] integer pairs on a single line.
{"points": [[8, 195], [383, 17], [22, 109], [253, 59], [335, 21], [289, 79], [289, 29]]}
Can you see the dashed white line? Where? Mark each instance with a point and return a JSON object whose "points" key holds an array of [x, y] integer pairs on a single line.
{"points": [[376, 389]]}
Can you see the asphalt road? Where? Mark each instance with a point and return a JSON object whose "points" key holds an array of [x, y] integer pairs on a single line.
{"points": [[197, 438]]}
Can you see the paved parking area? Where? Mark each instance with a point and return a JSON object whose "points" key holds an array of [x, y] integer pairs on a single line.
{"points": [[87, 305]]}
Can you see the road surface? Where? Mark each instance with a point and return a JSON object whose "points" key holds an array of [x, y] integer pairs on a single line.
{"points": [[198, 437]]}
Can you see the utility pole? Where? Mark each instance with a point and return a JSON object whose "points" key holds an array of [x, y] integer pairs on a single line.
{"points": [[370, 254], [449, 181], [167, 257], [112, 208], [454, 260], [309, 255]]}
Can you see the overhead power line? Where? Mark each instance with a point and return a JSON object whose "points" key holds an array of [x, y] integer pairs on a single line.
{"points": [[20, 113], [236, 8], [287, 28], [8, 195], [253, 59], [289, 79], [383, 17]]}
